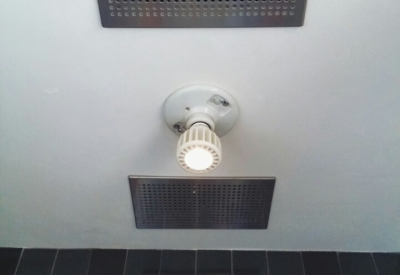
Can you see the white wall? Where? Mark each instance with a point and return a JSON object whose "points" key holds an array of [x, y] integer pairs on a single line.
{"points": [[80, 110]]}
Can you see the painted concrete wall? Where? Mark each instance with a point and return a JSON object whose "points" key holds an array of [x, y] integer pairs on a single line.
{"points": [[80, 110]]}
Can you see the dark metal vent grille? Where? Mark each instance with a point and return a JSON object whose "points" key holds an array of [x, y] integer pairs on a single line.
{"points": [[201, 13], [202, 203]]}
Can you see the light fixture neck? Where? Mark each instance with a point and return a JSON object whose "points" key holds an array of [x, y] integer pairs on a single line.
{"points": [[200, 124], [200, 118]]}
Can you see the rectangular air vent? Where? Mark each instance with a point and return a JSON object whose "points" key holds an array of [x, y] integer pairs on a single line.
{"points": [[206, 203], [201, 13]]}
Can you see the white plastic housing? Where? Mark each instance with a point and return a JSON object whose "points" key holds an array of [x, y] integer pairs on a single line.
{"points": [[186, 106], [199, 149]]}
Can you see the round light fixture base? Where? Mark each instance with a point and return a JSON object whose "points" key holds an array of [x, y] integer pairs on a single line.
{"points": [[201, 103]]}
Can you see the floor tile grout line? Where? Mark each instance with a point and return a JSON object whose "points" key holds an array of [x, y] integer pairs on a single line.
{"points": [[302, 263], [126, 260], [159, 268], [376, 267], [54, 263], [19, 260], [232, 273], [340, 264], [90, 260], [195, 264], [266, 256]]}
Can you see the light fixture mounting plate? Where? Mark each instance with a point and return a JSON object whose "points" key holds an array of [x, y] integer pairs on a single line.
{"points": [[216, 103]]}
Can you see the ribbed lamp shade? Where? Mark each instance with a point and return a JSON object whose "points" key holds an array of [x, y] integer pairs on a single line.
{"points": [[199, 149]]}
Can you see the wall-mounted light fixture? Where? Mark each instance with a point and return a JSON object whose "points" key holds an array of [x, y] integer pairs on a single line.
{"points": [[200, 114]]}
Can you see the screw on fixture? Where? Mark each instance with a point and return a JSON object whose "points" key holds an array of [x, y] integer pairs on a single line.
{"points": [[178, 128], [224, 102]]}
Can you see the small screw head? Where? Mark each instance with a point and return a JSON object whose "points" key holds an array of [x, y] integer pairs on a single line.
{"points": [[178, 128], [224, 102]]}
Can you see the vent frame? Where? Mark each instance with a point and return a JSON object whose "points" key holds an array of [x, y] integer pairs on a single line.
{"points": [[201, 203], [201, 13]]}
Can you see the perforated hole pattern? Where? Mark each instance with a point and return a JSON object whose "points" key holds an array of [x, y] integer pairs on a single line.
{"points": [[201, 13], [204, 204]]}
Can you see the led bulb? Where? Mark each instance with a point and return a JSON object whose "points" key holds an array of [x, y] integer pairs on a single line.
{"points": [[198, 159], [199, 149]]}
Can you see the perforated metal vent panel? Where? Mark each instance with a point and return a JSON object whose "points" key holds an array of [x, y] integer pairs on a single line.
{"points": [[180, 203], [201, 13]]}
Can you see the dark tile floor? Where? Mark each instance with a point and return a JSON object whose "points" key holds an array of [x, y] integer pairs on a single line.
{"points": [[14, 261]]}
